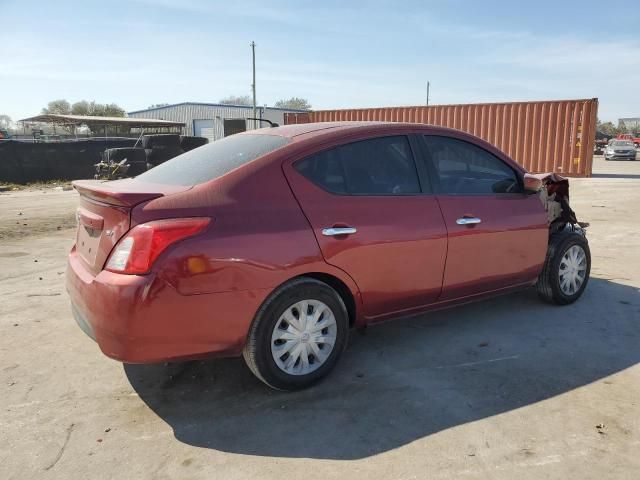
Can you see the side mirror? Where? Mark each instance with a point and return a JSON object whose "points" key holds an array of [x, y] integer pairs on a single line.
{"points": [[532, 183]]}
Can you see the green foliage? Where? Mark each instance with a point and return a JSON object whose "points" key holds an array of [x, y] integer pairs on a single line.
{"points": [[113, 110], [608, 128], [237, 100], [5, 122], [83, 107], [294, 103], [94, 109], [86, 108], [57, 107]]}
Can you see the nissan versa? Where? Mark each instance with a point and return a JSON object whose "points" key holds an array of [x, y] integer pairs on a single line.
{"points": [[273, 243]]}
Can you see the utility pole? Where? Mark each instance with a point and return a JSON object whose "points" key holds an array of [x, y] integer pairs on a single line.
{"points": [[428, 85], [253, 85]]}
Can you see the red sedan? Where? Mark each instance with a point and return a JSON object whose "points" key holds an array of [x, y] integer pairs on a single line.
{"points": [[274, 243]]}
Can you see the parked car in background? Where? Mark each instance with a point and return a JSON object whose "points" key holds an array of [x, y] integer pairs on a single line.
{"points": [[599, 146], [273, 243], [620, 150], [600, 142], [632, 138]]}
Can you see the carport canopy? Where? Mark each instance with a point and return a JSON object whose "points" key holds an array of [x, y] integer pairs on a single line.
{"points": [[92, 121]]}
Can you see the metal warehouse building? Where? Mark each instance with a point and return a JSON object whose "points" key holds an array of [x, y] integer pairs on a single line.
{"points": [[631, 124], [214, 120]]}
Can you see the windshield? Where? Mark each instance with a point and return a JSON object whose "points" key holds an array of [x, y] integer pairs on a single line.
{"points": [[213, 160], [622, 143]]}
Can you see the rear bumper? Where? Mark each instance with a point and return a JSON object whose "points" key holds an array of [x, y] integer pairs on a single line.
{"points": [[82, 322], [143, 319]]}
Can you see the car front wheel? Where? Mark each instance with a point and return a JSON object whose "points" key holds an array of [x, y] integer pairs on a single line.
{"points": [[566, 270], [297, 335]]}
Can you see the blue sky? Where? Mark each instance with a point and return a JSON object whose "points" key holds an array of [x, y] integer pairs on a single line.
{"points": [[337, 54]]}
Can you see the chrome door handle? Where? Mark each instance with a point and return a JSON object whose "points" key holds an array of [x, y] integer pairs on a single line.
{"points": [[468, 221], [333, 231]]}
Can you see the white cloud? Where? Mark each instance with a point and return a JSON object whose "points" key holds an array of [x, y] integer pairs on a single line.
{"points": [[571, 67]]}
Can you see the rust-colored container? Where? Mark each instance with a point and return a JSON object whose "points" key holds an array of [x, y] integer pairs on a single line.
{"points": [[549, 136]]}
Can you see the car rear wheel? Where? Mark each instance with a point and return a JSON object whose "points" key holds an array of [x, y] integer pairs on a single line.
{"points": [[566, 270], [297, 335]]}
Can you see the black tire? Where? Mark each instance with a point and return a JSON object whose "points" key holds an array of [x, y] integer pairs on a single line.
{"points": [[548, 284], [257, 351], [161, 140], [118, 154], [136, 168], [189, 143], [158, 155]]}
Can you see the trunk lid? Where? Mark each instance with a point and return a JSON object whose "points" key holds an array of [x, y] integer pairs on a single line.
{"points": [[104, 214]]}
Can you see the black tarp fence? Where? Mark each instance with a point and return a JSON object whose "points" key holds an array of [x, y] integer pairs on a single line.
{"points": [[25, 162]]}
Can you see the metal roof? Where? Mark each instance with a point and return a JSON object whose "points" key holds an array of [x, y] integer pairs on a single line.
{"points": [[217, 105], [99, 121]]}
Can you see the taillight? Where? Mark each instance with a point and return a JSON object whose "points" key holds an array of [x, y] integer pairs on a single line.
{"points": [[138, 249]]}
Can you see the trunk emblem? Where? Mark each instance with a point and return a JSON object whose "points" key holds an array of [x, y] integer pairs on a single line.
{"points": [[109, 233]]}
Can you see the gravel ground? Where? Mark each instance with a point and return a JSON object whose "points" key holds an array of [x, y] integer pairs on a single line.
{"points": [[502, 389]]}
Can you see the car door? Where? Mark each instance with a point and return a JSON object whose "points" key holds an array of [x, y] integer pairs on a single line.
{"points": [[497, 233], [374, 220]]}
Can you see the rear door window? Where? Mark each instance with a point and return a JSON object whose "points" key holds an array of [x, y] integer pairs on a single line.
{"points": [[463, 168], [325, 170], [212, 160], [378, 166]]}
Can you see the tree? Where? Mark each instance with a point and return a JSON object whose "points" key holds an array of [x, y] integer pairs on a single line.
{"points": [[113, 110], [294, 103], [5, 122], [57, 107], [609, 129], [80, 108], [237, 100], [83, 107], [94, 109]]}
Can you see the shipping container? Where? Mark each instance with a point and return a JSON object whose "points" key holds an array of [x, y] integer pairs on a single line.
{"points": [[547, 136]]}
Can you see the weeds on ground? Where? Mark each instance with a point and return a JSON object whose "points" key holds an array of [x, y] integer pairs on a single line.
{"points": [[44, 185]]}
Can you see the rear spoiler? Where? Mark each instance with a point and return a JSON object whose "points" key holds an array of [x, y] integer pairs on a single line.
{"points": [[113, 193]]}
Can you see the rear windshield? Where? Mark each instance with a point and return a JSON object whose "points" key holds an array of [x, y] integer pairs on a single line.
{"points": [[212, 160]]}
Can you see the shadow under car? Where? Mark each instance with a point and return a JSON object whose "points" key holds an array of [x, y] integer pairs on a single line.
{"points": [[406, 379]]}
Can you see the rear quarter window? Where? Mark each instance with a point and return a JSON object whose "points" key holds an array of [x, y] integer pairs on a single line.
{"points": [[213, 160]]}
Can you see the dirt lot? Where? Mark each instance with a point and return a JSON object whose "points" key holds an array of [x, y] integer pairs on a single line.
{"points": [[503, 389]]}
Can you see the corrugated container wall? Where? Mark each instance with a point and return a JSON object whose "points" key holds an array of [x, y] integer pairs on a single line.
{"points": [[549, 136]]}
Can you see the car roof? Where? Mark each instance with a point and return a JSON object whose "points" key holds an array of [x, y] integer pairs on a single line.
{"points": [[304, 131], [312, 133]]}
